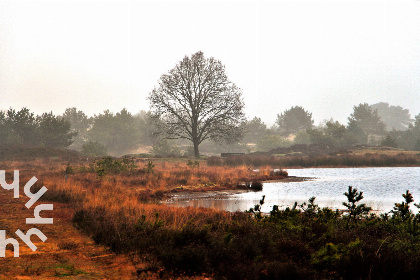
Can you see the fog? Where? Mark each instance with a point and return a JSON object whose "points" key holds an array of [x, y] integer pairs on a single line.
{"points": [[324, 56]]}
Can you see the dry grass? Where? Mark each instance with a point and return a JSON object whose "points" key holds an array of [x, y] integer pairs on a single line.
{"points": [[360, 158], [134, 194], [120, 211], [121, 197], [66, 252], [384, 151]]}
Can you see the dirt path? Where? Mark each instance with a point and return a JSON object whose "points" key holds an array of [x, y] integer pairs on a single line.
{"points": [[65, 254]]}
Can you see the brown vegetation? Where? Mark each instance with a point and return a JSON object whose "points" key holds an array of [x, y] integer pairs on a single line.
{"points": [[358, 159], [115, 204], [65, 253]]}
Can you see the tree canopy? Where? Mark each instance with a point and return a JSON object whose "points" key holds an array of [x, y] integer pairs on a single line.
{"points": [[294, 120], [365, 117], [254, 130], [119, 132], [332, 133], [197, 101], [394, 117], [23, 127], [23, 124], [80, 124], [55, 131]]}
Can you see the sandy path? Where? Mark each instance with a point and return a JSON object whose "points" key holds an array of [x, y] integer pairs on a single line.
{"points": [[66, 253]]}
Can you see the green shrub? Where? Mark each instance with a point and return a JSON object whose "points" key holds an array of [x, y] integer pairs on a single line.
{"points": [[110, 165], [402, 210], [299, 242], [94, 149], [355, 211]]}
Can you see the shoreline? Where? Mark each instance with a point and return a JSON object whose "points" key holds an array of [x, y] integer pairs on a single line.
{"points": [[223, 193], [289, 179]]}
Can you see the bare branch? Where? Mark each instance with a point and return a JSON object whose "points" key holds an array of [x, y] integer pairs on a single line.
{"points": [[196, 101]]}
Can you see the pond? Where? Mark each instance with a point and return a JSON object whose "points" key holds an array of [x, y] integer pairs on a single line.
{"points": [[382, 187]]}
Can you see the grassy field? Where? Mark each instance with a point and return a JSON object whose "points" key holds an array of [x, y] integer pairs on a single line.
{"points": [[125, 196], [108, 224]]}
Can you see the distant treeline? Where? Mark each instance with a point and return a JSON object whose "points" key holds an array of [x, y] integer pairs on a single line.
{"points": [[23, 127], [124, 133], [378, 124], [108, 133], [99, 135]]}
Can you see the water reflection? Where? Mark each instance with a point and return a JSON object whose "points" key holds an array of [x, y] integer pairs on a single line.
{"points": [[231, 205], [382, 187]]}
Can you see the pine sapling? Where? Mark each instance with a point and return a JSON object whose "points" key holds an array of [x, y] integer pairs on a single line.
{"points": [[402, 210], [355, 211]]}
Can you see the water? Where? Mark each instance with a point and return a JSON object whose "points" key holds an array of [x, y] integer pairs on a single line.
{"points": [[382, 187]]}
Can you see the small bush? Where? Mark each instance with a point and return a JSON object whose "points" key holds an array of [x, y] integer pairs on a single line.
{"points": [[94, 149], [109, 165], [257, 185]]}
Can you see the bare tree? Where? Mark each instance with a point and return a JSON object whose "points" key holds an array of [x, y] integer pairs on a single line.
{"points": [[196, 101]]}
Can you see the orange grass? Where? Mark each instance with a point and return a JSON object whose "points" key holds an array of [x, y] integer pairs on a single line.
{"points": [[131, 194], [128, 194], [176, 176], [120, 211], [121, 204]]}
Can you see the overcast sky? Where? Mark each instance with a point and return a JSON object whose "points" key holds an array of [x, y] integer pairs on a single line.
{"points": [[324, 56]]}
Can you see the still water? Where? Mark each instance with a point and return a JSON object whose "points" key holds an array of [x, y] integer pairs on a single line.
{"points": [[382, 187]]}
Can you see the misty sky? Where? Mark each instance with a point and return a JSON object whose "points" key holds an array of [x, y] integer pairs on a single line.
{"points": [[324, 56]]}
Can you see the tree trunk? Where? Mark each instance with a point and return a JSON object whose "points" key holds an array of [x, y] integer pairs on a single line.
{"points": [[194, 130], [196, 152]]}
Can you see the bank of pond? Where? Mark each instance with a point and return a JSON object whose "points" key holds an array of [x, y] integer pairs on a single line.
{"points": [[117, 204], [304, 241], [382, 186]]}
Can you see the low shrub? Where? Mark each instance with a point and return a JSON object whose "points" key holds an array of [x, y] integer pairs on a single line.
{"points": [[256, 185]]}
